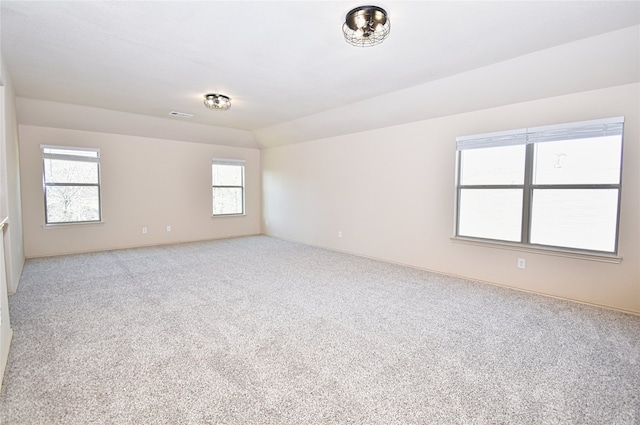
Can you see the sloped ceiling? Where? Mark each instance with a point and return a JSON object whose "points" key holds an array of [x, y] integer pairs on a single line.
{"points": [[289, 72]]}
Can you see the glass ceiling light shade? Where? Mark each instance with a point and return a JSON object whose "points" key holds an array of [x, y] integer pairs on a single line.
{"points": [[366, 26], [217, 101]]}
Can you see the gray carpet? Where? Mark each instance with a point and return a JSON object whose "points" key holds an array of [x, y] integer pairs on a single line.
{"points": [[258, 330]]}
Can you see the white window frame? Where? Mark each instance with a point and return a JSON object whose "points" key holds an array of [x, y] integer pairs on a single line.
{"points": [[233, 162], [530, 137], [93, 157]]}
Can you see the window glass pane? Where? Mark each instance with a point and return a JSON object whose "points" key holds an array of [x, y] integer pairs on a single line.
{"points": [[575, 218], [500, 165], [227, 200], [580, 161], [72, 203], [227, 175], [491, 214], [62, 171]]}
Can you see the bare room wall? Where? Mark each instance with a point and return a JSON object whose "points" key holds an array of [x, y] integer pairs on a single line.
{"points": [[11, 204], [390, 192], [11, 245], [146, 182]]}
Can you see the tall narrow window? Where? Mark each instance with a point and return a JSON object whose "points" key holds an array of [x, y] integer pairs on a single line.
{"points": [[553, 186], [71, 180], [228, 186]]}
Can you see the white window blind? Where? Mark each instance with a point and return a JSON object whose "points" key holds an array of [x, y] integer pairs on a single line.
{"points": [[222, 161], [550, 133]]}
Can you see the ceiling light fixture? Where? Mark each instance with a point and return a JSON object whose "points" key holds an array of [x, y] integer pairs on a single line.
{"points": [[366, 26], [217, 101]]}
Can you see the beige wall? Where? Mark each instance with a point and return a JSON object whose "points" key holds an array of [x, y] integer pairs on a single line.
{"points": [[145, 182], [11, 204], [11, 246], [391, 193]]}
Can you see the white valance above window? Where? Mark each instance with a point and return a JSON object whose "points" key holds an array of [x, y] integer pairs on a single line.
{"points": [[548, 133]]}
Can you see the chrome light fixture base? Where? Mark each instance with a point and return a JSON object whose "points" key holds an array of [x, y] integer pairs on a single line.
{"points": [[217, 101], [366, 26]]}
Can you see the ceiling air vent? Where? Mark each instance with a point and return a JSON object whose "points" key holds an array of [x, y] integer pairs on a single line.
{"points": [[180, 114]]}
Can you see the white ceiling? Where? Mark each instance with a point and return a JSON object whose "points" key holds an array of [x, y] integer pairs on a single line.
{"points": [[279, 61]]}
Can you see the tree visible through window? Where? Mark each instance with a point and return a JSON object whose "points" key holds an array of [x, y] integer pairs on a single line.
{"points": [[555, 186], [71, 179], [228, 186]]}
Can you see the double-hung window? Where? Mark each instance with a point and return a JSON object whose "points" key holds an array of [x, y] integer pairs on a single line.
{"points": [[71, 182], [555, 186], [228, 186]]}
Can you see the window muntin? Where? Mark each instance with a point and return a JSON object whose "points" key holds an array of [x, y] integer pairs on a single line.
{"points": [[570, 187], [227, 186], [71, 182]]}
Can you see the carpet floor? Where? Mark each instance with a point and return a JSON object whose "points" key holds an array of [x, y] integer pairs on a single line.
{"points": [[258, 330]]}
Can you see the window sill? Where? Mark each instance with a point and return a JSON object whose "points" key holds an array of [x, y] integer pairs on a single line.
{"points": [[556, 252], [77, 223], [228, 215]]}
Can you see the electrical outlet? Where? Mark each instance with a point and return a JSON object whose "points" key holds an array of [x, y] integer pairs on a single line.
{"points": [[144, 230], [168, 228], [521, 263], [339, 233], [266, 222]]}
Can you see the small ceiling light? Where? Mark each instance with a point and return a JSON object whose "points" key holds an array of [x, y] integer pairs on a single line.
{"points": [[366, 26], [217, 101]]}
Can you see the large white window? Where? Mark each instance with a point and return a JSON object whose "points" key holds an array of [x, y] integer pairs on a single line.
{"points": [[228, 186], [71, 181], [553, 186]]}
